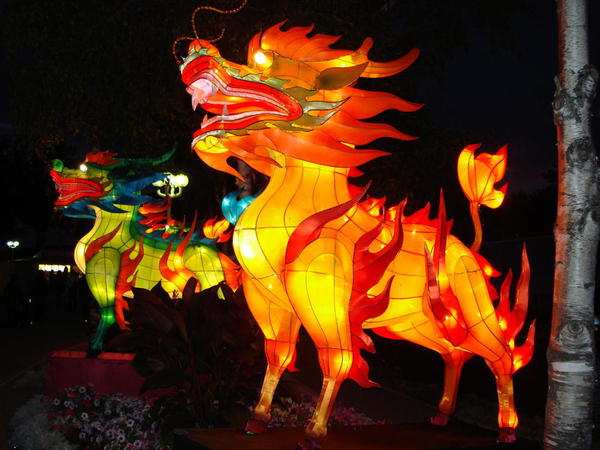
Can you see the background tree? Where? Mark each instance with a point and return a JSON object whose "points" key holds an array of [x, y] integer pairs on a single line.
{"points": [[570, 353]]}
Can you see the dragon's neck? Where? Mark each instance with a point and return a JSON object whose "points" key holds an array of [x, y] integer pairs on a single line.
{"points": [[104, 224], [307, 186]]}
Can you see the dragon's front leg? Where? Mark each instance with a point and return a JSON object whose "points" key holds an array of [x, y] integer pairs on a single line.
{"points": [[319, 289], [280, 328], [102, 272]]}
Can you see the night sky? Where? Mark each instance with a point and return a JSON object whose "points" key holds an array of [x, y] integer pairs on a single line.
{"points": [[505, 94], [499, 93]]}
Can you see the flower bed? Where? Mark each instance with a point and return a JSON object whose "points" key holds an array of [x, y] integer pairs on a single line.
{"points": [[286, 412], [78, 417]]}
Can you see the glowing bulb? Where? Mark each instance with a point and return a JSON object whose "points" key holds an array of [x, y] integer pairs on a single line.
{"points": [[247, 251], [181, 180], [260, 58], [83, 167]]}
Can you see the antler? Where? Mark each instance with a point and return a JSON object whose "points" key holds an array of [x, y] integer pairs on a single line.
{"points": [[217, 10]]}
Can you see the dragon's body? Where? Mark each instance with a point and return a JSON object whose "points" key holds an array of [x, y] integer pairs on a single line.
{"points": [[311, 253], [128, 245]]}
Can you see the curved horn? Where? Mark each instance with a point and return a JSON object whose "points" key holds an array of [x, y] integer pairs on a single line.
{"points": [[174, 47]]}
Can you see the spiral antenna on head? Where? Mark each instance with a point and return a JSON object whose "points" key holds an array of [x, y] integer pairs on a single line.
{"points": [[217, 10], [179, 59]]}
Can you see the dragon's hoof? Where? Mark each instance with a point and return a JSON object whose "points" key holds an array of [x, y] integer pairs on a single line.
{"points": [[255, 426], [440, 419], [507, 435], [310, 443]]}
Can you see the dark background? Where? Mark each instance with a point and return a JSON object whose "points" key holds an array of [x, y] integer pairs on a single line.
{"points": [[79, 76]]}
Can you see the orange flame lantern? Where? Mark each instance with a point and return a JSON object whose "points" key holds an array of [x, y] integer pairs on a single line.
{"points": [[216, 229]]}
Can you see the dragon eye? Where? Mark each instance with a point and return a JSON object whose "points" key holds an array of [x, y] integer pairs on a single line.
{"points": [[263, 59], [83, 168]]}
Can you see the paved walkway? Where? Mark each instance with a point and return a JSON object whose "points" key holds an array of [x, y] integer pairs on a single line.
{"points": [[23, 352], [369, 437]]}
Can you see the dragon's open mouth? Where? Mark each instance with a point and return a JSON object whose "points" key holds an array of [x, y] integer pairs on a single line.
{"points": [[235, 103], [72, 189]]}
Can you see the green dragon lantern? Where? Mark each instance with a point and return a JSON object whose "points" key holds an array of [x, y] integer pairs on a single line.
{"points": [[133, 242]]}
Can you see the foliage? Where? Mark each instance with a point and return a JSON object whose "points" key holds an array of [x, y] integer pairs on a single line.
{"points": [[205, 351], [80, 417]]}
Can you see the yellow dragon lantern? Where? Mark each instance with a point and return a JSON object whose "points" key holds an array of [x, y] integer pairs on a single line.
{"points": [[312, 254]]}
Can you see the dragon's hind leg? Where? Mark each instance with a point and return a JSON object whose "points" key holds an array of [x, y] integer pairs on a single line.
{"points": [[102, 272], [507, 414], [453, 364], [280, 328]]}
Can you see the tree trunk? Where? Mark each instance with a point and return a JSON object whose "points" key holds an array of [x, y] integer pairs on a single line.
{"points": [[571, 349]]}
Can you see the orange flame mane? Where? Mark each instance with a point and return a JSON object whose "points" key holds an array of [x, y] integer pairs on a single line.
{"points": [[321, 80]]}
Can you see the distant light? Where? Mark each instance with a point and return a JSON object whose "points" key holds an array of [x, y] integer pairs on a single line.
{"points": [[83, 167], [13, 244], [54, 268]]}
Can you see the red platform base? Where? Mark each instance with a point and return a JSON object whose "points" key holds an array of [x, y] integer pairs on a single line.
{"points": [[109, 373]]}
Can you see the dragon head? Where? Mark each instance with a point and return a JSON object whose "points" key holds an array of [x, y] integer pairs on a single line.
{"points": [[104, 182], [294, 96]]}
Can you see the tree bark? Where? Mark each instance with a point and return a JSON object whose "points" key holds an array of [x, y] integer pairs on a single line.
{"points": [[570, 352]]}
